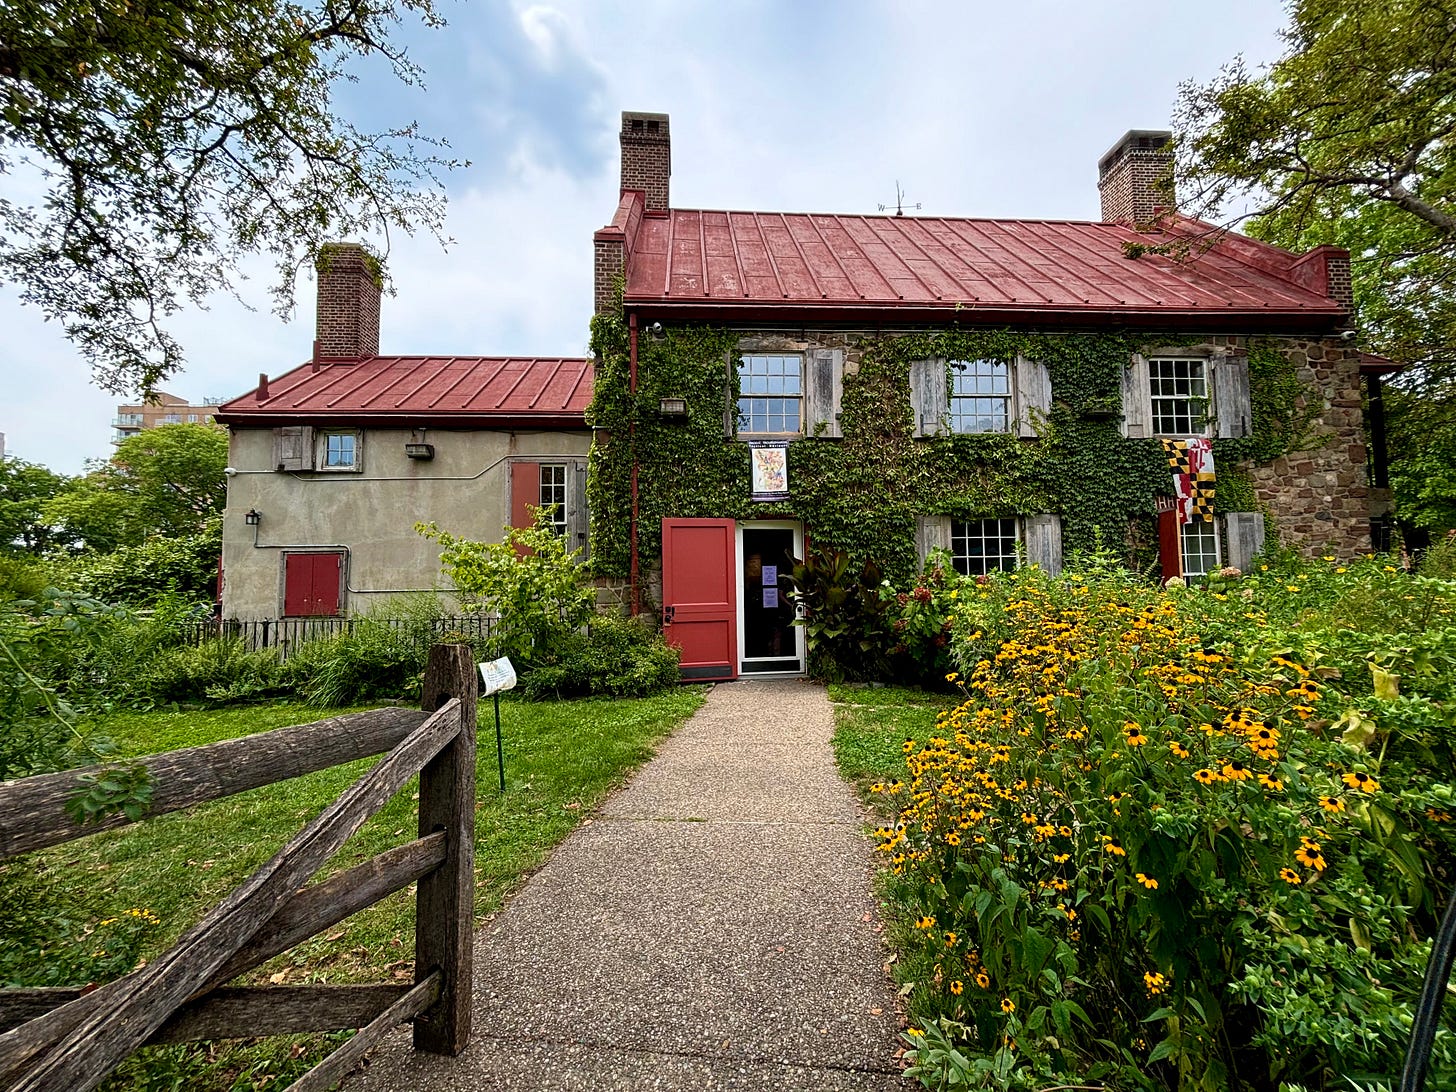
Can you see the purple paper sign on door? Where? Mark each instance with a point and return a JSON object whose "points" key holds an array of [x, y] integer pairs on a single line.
{"points": [[770, 597], [770, 575]]}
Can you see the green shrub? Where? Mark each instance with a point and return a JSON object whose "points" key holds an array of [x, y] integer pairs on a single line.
{"points": [[1167, 843], [621, 657], [150, 573], [848, 616], [218, 671]]}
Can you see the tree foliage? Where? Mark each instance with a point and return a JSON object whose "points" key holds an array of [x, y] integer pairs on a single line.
{"points": [[25, 488], [166, 140], [1347, 140], [162, 481]]}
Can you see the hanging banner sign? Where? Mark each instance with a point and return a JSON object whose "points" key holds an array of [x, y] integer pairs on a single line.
{"points": [[770, 470]]}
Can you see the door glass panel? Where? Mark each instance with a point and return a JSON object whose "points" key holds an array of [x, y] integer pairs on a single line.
{"points": [[768, 613]]}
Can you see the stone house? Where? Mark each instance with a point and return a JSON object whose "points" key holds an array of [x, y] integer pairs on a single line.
{"points": [[1001, 389], [332, 464]]}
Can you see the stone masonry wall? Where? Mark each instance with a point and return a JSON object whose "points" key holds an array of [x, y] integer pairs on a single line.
{"points": [[1318, 498]]}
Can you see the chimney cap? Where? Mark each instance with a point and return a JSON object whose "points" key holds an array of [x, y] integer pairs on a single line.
{"points": [[642, 124], [1135, 140]]}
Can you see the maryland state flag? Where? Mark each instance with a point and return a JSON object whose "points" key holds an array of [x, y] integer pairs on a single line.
{"points": [[1192, 463]]}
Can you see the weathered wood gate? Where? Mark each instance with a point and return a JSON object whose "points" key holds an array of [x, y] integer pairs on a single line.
{"points": [[66, 1039]]}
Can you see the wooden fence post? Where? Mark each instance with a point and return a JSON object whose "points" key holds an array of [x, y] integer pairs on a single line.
{"points": [[445, 899]]}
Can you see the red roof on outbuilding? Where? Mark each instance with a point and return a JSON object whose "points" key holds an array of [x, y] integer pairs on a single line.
{"points": [[439, 389], [707, 262]]}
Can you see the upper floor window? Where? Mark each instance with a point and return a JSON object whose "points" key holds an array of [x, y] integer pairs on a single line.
{"points": [[770, 393], [980, 546], [553, 495], [980, 396], [1179, 394], [338, 451]]}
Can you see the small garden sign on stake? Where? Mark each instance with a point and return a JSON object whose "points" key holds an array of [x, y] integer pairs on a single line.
{"points": [[498, 675]]}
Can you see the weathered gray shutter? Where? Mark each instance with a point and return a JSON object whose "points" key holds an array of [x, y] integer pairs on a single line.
{"points": [[293, 447], [931, 533], [730, 404], [1043, 535], [1033, 395], [1231, 404], [823, 387], [577, 521], [928, 398], [1137, 399], [1245, 534]]}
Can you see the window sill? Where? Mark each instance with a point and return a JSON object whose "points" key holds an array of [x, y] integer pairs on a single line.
{"points": [[750, 437]]}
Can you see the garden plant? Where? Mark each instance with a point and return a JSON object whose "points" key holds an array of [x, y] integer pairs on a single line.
{"points": [[1183, 838]]}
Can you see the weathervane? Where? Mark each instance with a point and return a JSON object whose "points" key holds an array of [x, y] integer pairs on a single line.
{"points": [[900, 201]]}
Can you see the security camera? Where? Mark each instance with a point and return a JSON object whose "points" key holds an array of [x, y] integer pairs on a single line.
{"points": [[230, 471], [655, 329], [1349, 335]]}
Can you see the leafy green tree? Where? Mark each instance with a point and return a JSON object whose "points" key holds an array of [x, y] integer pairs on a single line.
{"points": [[173, 138], [163, 481], [1347, 139], [24, 490], [530, 582]]}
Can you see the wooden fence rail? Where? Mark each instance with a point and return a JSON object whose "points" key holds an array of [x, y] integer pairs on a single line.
{"points": [[66, 1039]]}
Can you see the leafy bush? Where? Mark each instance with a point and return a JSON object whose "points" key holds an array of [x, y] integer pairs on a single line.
{"points": [[1176, 840], [151, 572], [847, 616], [530, 582], [216, 671], [622, 657]]}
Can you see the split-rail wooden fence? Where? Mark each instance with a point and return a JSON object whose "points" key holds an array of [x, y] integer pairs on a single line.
{"points": [[70, 1040]]}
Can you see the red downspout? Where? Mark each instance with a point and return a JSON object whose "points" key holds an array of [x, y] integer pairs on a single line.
{"points": [[632, 443]]}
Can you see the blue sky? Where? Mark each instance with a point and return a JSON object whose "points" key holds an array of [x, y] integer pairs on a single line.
{"points": [[977, 109]]}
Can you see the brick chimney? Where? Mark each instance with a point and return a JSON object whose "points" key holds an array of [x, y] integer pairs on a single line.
{"points": [[1135, 177], [646, 157], [349, 286]]}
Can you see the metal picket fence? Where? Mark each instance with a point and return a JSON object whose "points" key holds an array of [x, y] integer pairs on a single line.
{"points": [[288, 634]]}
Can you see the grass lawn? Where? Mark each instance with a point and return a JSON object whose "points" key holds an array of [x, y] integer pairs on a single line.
{"points": [[873, 723], [561, 759]]}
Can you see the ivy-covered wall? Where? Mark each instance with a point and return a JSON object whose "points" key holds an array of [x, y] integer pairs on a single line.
{"points": [[863, 492]]}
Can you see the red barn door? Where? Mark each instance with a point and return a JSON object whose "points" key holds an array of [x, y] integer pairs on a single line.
{"points": [[700, 596]]}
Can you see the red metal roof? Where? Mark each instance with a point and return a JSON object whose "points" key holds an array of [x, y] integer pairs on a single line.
{"points": [[1374, 364], [465, 389], [709, 261]]}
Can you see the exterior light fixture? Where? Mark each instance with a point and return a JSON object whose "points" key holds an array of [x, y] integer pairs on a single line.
{"points": [[253, 517], [673, 409], [419, 451]]}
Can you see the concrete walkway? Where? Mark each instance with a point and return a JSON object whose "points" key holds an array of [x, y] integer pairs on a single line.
{"points": [[713, 928]]}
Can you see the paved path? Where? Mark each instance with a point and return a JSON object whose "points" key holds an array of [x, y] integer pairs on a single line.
{"points": [[711, 929]]}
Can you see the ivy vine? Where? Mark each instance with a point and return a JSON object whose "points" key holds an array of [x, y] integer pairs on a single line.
{"points": [[862, 493]]}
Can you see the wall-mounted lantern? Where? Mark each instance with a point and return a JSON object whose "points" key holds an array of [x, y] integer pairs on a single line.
{"points": [[673, 409], [253, 517], [419, 451]]}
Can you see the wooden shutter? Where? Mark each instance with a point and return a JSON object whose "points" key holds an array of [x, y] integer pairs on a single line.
{"points": [[1244, 532], [928, 398], [931, 533], [525, 493], [311, 584], [1033, 394], [1137, 399], [1231, 404], [823, 389], [577, 522], [293, 447], [1043, 536], [1170, 545]]}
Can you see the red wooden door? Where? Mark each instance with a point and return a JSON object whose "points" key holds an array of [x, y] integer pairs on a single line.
{"points": [[700, 595], [311, 584], [1170, 545]]}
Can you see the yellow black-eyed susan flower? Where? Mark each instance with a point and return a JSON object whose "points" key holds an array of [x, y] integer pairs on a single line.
{"points": [[1236, 771], [1288, 875], [1008, 1006], [983, 980], [957, 987], [1361, 781], [1332, 804], [1147, 881]]}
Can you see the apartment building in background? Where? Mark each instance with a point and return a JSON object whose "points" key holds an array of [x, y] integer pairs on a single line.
{"points": [[165, 409]]}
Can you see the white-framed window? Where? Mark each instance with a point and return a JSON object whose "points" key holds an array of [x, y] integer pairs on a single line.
{"points": [[1199, 543], [1178, 389], [172, 419], [553, 495], [980, 396], [770, 394], [339, 450], [980, 546]]}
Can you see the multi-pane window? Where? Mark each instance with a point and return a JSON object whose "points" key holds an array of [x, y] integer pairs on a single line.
{"points": [[1200, 547], [980, 546], [1179, 387], [553, 495], [341, 450], [771, 393], [980, 396]]}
